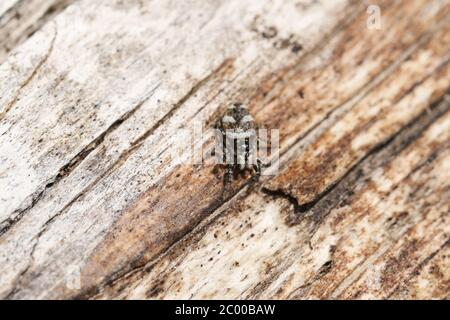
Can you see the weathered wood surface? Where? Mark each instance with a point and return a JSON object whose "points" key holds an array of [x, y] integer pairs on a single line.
{"points": [[19, 19], [89, 105]]}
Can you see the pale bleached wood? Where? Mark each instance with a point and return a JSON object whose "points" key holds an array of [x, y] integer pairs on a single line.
{"points": [[89, 106], [19, 19], [5, 5]]}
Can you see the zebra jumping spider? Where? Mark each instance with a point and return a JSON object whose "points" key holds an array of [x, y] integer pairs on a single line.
{"points": [[237, 143]]}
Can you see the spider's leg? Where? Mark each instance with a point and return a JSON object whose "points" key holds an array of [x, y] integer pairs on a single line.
{"points": [[228, 174], [228, 178], [257, 168]]}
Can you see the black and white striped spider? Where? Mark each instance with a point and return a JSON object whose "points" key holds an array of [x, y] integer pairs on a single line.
{"points": [[237, 142]]}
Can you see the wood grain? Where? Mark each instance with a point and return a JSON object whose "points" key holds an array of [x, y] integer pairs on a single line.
{"points": [[19, 19], [91, 107]]}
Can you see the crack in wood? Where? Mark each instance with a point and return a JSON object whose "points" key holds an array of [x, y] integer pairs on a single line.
{"points": [[361, 266], [390, 147]]}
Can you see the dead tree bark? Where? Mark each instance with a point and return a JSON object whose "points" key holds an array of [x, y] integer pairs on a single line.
{"points": [[94, 204]]}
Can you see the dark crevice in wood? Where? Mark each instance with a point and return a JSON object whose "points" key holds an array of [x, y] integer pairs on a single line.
{"points": [[382, 158], [373, 83], [338, 193], [281, 194], [52, 11]]}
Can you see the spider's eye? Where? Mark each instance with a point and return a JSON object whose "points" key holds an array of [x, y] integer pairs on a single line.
{"points": [[247, 118], [228, 120]]}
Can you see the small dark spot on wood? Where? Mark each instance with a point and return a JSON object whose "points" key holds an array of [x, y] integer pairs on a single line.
{"points": [[296, 47], [281, 44], [325, 268], [270, 32]]}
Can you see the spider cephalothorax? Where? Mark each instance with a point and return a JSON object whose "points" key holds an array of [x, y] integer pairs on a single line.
{"points": [[238, 142]]}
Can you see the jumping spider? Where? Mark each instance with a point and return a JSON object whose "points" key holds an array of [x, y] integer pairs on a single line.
{"points": [[238, 143]]}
